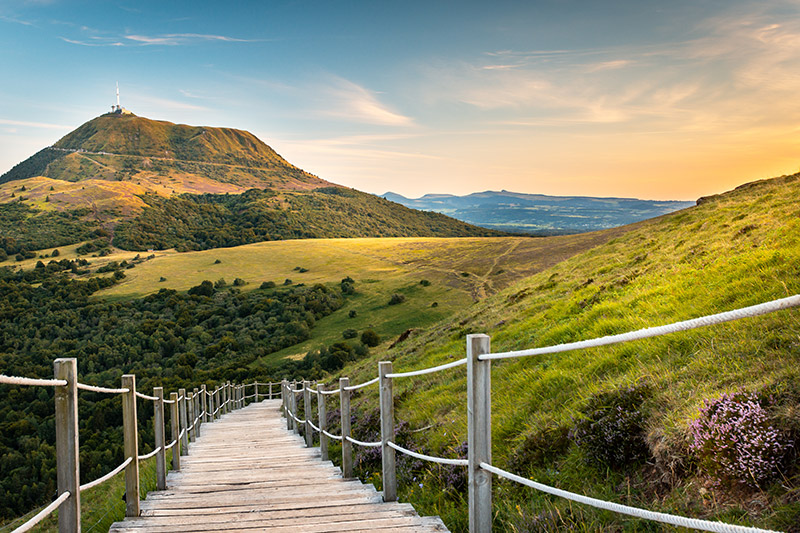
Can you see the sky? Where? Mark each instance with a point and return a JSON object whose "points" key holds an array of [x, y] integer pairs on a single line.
{"points": [[638, 98]]}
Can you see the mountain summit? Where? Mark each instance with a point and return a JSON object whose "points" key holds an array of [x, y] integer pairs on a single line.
{"points": [[141, 184], [126, 147]]}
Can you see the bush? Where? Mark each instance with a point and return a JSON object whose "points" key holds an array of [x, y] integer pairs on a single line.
{"points": [[425, 283], [268, 285], [55, 253], [220, 283], [287, 281], [734, 442], [397, 298], [349, 334], [238, 282], [217, 261], [352, 313], [612, 430], [370, 338]]}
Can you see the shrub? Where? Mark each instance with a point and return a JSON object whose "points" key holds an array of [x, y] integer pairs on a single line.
{"points": [[55, 253], [734, 442], [352, 313], [425, 283], [162, 278], [217, 261], [268, 285], [370, 338], [287, 281], [220, 283], [612, 430], [397, 298], [349, 333], [238, 282]]}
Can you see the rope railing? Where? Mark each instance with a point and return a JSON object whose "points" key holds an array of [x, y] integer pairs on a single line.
{"points": [[44, 513], [31, 382], [430, 370], [478, 360], [103, 479], [377, 444], [331, 436], [180, 404], [146, 397], [104, 390], [664, 518], [147, 456], [362, 385], [719, 318], [430, 458]]}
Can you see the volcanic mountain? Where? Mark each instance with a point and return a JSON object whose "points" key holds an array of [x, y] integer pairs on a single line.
{"points": [[155, 184]]}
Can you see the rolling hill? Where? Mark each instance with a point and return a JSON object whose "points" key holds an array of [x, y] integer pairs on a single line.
{"points": [[154, 184]]}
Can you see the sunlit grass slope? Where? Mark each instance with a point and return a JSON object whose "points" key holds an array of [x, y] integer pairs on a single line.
{"points": [[732, 250], [460, 271]]}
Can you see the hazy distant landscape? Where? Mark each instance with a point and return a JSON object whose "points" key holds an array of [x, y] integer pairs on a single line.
{"points": [[540, 214]]}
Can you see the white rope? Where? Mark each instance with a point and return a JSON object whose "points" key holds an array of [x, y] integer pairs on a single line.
{"points": [[171, 444], [440, 460], [43, 513], [105, 390], [145, 396], [149, 455], [315, 428], [190, 427], [252, 396], [753, 310], [430, 370], [14, 380], [297, 419], [180, 435], [108, 476], [180, 398], [693, 523], [312, 389], [169, 401], [334, 437], [336, 391], [366, 383], [367, 444]]}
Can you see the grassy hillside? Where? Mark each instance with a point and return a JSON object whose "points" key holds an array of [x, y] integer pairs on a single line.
{"points": [[732, 250]]}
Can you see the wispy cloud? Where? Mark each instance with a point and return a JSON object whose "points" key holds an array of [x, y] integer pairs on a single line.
{"points": [[348, 100], [16, 20], [166, 103], [177, 39], [27, 124]]}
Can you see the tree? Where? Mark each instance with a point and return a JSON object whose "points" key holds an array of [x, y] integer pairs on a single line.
{"points": [[370, 338]]}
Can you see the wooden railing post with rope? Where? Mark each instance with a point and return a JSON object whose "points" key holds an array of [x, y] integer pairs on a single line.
{"points": [[67, 447]]}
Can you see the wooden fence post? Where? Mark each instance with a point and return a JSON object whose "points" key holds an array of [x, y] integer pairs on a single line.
{"points": [[322, 418], [67, 446], [479, 433], [228, 397], [184, 425], [197, 412], [270, 390], [344, 410], [175, 426], [158, 426], [284, 397], [387, 432], [295, 424], [131, 436], [309, 434], [215, 404], [255, 386], [204, 398]]}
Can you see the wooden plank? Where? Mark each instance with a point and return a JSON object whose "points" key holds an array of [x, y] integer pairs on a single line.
{"points": [[267, 481]]}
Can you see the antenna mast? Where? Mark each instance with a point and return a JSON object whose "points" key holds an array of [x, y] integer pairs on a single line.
{"points": [[117, 95]]}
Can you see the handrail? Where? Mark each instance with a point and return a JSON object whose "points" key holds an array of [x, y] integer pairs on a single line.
{"points": [[41, 515], [31, 382], [479, 405], [430, 370], [93, 388], [664, 518], [685, 325], [103, 479], [67, 386], [365, 384], [432, 459]]}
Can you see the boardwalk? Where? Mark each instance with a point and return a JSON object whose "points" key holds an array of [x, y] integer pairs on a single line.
{"points": [[246, 472]]}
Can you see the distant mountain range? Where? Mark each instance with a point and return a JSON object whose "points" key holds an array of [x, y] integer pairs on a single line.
{"points": [[540, 214]]}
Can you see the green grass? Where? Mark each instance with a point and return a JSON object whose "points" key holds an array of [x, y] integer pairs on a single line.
{"points": [[735, 250]]}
